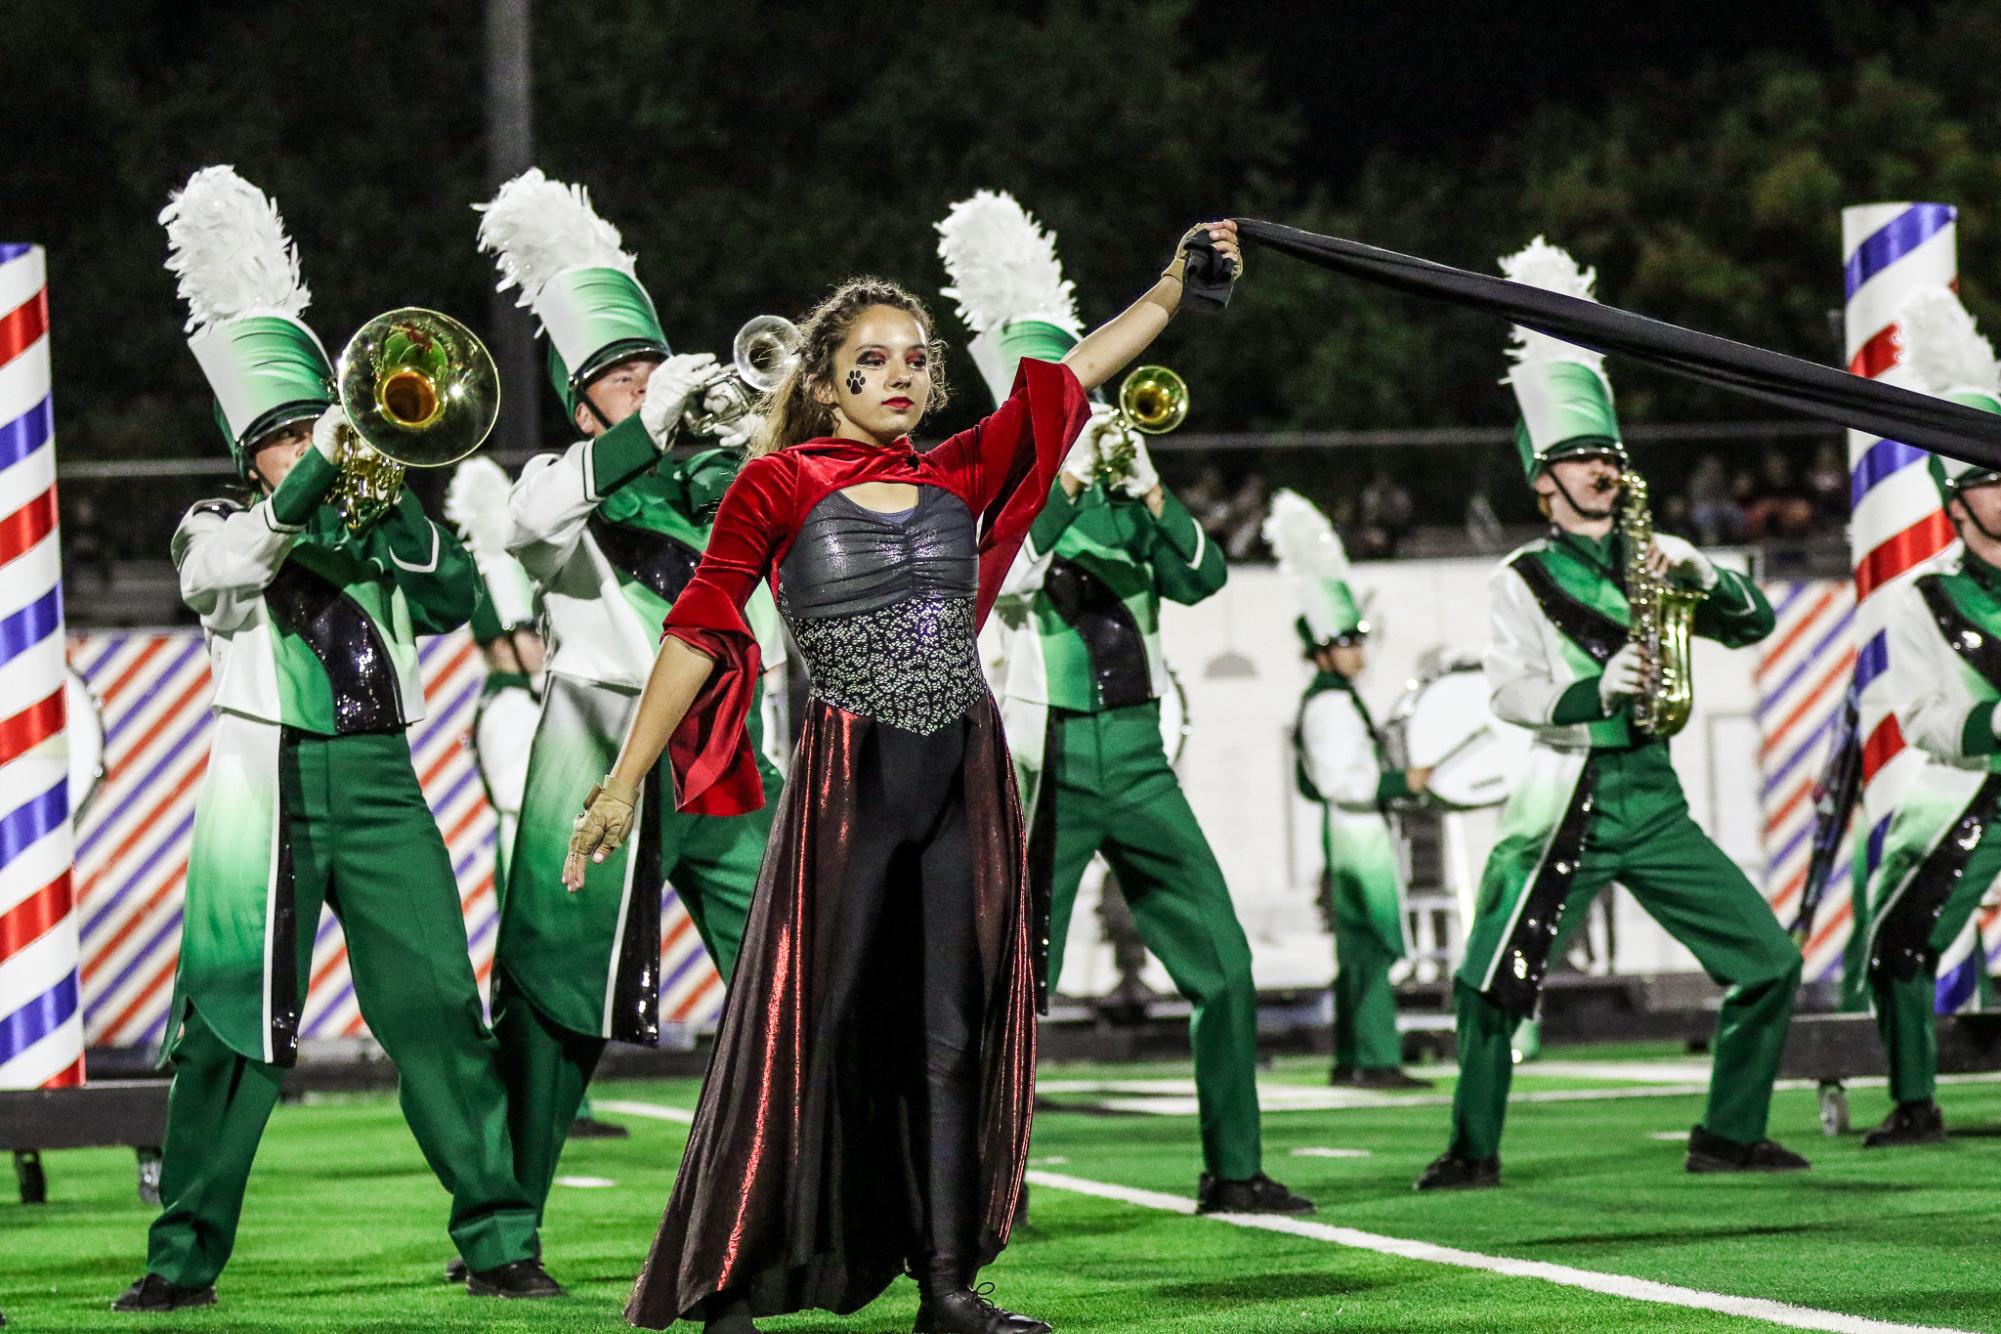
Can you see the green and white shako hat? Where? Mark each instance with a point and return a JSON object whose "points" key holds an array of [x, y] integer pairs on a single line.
{"points": [[1946, 354], [1314, 562], [239, 274], [572, 270], [1008, 284], [1560, 388], [476, 503]]}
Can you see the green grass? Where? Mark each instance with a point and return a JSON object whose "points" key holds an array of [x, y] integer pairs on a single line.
{"points": [[344, 1226]]}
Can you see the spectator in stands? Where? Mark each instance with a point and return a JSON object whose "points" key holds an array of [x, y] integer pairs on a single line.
{"points": [[1713, 512], [1386, 514], [1777, 504], [1241, 527], [1827, 484]]}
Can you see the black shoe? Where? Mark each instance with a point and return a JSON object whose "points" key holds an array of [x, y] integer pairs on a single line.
{"points": [[589, 1127], [1449, 1171], [153, 1293], [968, 1311], [1341, 1076], [1389, 1077], [731, 1316], [523, 1278], [1256, 1195], [1908, 1123], [455, 1269], [1710, 1152]]}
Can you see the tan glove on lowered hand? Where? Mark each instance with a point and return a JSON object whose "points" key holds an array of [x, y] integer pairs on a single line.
{"points": [[600, 830]]}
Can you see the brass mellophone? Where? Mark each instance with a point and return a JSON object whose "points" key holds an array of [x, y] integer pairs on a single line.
{"points": [[420, 391]]}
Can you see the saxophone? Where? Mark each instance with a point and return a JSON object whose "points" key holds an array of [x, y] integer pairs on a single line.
{"points": [[1661, 617]]}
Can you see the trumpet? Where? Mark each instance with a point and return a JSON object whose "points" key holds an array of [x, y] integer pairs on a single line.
{"points": [[761, 354], [420, 391], [1153, 400]]}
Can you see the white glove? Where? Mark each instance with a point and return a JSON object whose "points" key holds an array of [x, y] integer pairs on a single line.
{"points": [[1622, 678], [673, 383], [1141, 477], [327, 434], [1082, 460], [739, 433], [1683, 559]]}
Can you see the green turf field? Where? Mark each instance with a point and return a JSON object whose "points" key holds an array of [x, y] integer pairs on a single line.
{"points": [[344, 1226]]}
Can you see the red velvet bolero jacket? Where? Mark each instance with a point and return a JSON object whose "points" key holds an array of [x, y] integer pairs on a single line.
{"points": [[1001, 468]]}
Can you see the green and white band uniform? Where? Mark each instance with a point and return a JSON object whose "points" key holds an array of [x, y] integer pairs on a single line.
{"points": [[1342, 767], [1080, 697], [1943, 852], [310, 796], [510, 697], [610, 530], [1600, 800]]}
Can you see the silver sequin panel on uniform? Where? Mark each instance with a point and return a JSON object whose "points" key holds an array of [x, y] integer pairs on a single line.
{"points": [[914, 665]]}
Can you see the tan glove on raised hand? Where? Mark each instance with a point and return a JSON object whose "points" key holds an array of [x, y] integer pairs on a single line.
{"points": [[603, 826]]}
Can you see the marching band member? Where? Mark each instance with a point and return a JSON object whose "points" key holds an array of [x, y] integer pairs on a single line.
{"points": [[310, 796], [880, 1032], [1942, 853], [503, 624], [611, 530], [1342, 767], [1601, 800], [1081, 694]]}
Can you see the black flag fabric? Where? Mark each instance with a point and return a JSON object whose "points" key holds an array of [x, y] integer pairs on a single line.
{"points": [[1791, 383]]}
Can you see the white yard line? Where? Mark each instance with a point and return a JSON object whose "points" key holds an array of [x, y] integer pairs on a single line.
{"points": [[1177, 1097], [653, 1110], [1614, 1285]]}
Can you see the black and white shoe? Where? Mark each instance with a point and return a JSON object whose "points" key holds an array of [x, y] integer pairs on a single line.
{"points": [[1449, 1171], [153, 1294], [589, 1127], [521, 1279], [1908, 1123], [455, 1269], [1710, 1152], [1253, 1195], [972, 1311]]}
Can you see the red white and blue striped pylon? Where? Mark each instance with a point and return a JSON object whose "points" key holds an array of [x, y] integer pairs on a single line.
{"points": [[41, 1024], [1889, 250]]}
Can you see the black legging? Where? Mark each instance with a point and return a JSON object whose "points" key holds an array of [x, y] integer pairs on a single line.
{"points": [[906, 895]]}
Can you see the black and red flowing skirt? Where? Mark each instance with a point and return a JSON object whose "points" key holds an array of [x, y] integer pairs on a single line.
{"points": [[799, 1185]]}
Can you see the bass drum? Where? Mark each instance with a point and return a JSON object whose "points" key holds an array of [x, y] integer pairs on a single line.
{"points": [[1443, 723], [86, 743], [1174, 724]]}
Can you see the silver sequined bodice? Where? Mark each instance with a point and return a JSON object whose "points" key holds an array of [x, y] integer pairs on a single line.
{"points": [[882, 608]]}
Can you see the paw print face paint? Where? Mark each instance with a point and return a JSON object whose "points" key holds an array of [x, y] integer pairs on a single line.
{"points": [[881, 378]]}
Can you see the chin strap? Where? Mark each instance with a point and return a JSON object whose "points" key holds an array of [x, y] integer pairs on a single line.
{"points": [[1974, 519], [1578, 509]]}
